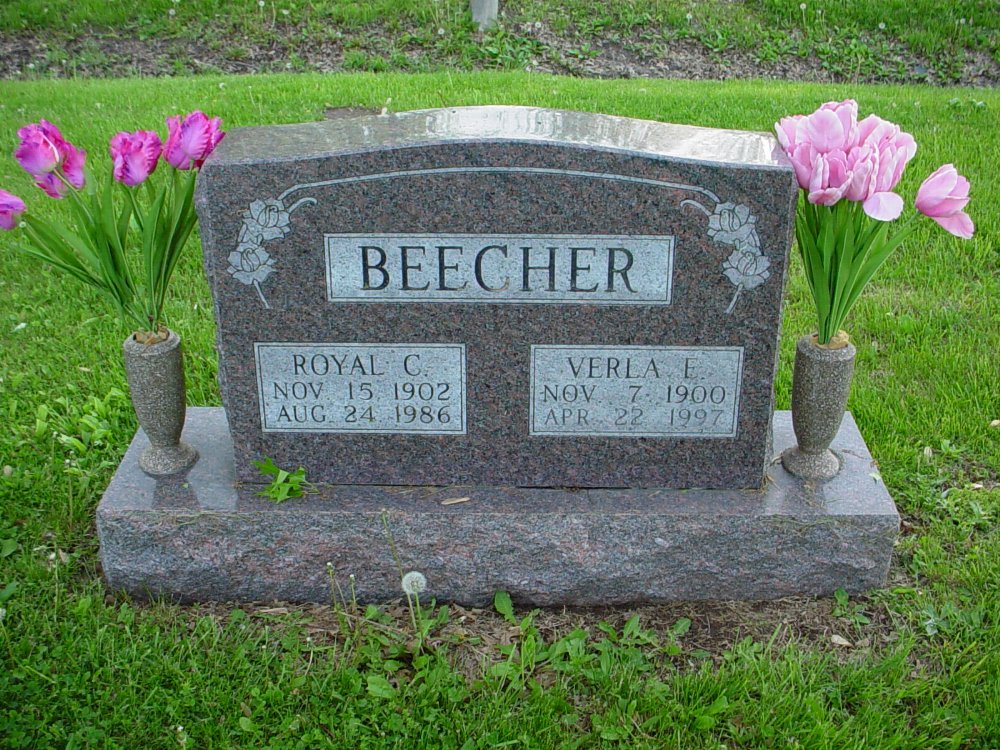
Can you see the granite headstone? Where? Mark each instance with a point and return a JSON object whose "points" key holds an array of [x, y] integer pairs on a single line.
{"points": [[499, 296]]}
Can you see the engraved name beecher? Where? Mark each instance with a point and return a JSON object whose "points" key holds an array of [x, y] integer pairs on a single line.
{"points": [[586, 269], [635, 391], [381, 388]]}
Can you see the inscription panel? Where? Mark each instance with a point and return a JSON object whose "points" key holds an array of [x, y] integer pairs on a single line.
{"points": [[372, 388], [635, 391], [532, 268]]}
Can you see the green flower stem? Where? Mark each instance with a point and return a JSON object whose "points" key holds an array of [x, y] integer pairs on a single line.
{"points": [[121, 245], [841, 249]]}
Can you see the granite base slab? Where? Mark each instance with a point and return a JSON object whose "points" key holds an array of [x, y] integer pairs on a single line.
{"points": [[204, 537]]}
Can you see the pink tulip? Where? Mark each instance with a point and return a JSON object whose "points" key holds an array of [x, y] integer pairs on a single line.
{"points": [[873, 129], [135, 156], [830, 178], [836, 157], [894, 147], [831, 128], [884, 206], [44, 153], [834, 126], [943, 196], [802, 157], [190, 142], [11, 207]]}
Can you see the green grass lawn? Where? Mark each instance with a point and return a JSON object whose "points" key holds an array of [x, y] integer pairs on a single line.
{"points": [[82, 667]]}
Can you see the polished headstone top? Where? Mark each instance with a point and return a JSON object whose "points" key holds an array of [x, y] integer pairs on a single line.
{"points": [[499, 123]]}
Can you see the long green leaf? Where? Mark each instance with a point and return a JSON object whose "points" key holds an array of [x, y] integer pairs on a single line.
{"points": [[152, 250], [825, 246], [55, 233], [874, 239], [874, 261], [842, 275], [111, 240], [185, 219], [64, 261]]}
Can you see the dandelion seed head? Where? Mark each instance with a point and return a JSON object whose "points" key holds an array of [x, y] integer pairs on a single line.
{"points": [[171, 12], [414, 582], [802, 6], [881, 25]]}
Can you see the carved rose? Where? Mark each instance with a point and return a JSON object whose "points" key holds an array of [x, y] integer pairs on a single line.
{"points": [[250, 263], [731, 223], [747, 268], [267, 219]]}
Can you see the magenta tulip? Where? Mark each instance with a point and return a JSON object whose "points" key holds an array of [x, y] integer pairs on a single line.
{"points": [[135, 156], [38, 152], [72, 166], [11, 207], [52, 185], [189, 142], [943, 196], [45, 154]]}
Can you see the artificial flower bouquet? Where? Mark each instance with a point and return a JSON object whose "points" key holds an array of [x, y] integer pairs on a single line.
{"points": [[127, 233], [848, 171]]}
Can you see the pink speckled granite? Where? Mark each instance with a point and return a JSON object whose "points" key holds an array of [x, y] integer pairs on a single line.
{"points": [[549, 187]]}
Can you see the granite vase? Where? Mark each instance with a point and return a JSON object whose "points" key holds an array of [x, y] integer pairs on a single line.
{"points": [[821, 383], [155, 373]]}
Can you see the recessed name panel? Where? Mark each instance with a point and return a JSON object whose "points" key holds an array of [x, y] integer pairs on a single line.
{"points": [[635, 391], [372, 388], [534, 268]]}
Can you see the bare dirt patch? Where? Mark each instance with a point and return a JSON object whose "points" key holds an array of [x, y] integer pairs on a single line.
{"points": [[106, 54]]}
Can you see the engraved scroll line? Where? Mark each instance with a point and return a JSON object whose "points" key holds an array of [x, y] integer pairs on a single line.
{"points": [[499, 170]]}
